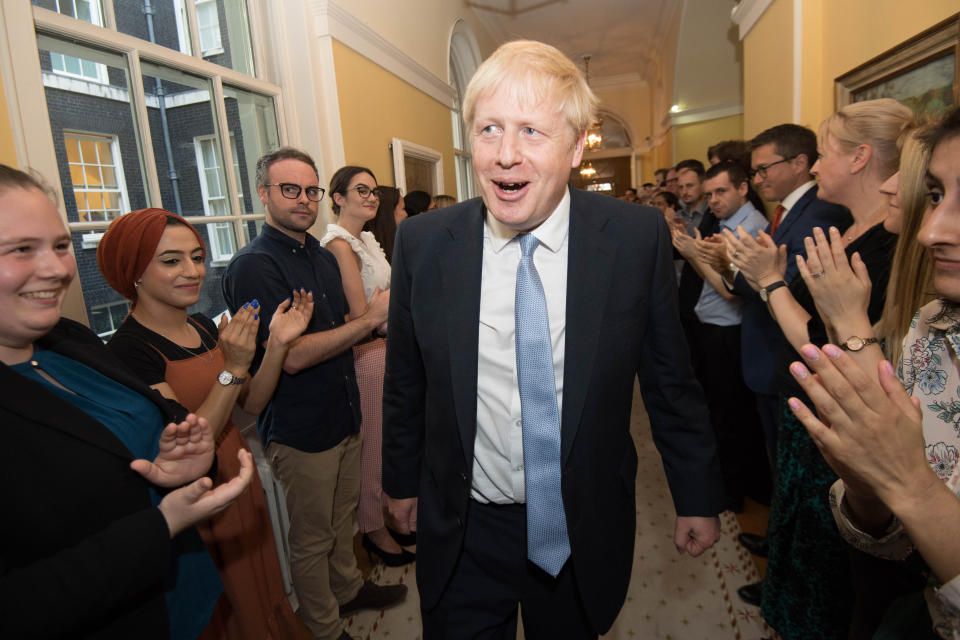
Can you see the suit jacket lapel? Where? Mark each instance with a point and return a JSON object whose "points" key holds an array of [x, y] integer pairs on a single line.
{"points": [[461, 260], [795, 212], [38, 405], [589, 274]]}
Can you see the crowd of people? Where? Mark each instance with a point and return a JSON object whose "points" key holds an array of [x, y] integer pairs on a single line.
{"points": [[463, 380]]}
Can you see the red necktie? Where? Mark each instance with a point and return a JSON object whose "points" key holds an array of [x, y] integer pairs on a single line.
{"points": [[777, 214]]}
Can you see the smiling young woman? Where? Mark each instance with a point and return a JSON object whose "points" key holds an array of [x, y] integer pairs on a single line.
{"points": [[110, 557], [156, 259]]}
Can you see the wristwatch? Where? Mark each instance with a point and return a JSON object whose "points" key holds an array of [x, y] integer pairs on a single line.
{"points": [[855, 343], [770, 288], [226, 378]]}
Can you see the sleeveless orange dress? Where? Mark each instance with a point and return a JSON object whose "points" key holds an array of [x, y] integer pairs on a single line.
{"points": [[239, 539]]}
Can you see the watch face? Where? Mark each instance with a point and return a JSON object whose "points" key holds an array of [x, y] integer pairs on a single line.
{"points": [[855, 343], [225, 377]]}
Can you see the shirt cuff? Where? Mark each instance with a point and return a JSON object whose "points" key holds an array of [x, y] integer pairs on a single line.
{"points": [[892, 544], [734, 270]]}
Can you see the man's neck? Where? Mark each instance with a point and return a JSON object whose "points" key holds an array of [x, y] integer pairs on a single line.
{"points": [[299, 236]]}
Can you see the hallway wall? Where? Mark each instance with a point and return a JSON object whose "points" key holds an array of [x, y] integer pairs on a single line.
{"points": [[692, 140], [376, 106], [834, 37]]}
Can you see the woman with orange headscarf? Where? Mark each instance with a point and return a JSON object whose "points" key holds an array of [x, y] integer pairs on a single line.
{"points": [[156, 259]]}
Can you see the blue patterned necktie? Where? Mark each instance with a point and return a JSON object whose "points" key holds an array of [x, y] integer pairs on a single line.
{"points": [[547, 543]]}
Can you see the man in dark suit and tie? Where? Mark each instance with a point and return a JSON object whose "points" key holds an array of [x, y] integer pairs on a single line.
{"points": [[518, 323], [781, 158]]}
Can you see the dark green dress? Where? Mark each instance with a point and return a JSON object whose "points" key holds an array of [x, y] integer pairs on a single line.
{"points": [[808, 589]]}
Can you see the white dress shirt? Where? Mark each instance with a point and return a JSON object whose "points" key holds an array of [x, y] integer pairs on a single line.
{"points": [[792, 198], [498, 474]]}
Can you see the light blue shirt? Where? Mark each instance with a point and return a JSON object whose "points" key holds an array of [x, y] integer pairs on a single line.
{"points": [[711, 308]]}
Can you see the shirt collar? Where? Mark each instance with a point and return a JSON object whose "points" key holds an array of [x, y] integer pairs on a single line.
{"points": [[739, 216], [788, 202], [276, 235], [551, 233]]}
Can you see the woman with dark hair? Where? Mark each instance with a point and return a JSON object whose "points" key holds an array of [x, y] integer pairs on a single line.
{"points": [[390, 213], [417, 202], [364, 269], [156, 259], [97, 541]]}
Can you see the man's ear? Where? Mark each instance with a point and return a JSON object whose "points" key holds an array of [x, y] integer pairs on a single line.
{"points": [[262, 192], [578, 145]]}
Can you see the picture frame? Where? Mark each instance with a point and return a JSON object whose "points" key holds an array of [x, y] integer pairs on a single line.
{"points": [[922, 72]]}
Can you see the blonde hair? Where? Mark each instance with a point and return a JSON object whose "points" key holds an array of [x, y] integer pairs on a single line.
{"points": [[879, 123], [911, 281], [532, 73]]}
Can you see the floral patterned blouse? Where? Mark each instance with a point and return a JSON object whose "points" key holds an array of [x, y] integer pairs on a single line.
{"points": [[930, 370]]}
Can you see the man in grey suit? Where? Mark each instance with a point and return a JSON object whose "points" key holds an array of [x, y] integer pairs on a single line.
{"points": [[518, 323]]}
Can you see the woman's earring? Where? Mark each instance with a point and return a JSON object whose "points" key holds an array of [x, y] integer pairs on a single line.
{"points": [[137, 283]]}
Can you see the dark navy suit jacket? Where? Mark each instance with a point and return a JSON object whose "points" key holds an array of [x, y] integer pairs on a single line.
{"points": [[760, 334], [621, 324]]}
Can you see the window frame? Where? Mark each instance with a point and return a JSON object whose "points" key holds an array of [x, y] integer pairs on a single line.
{"points": [[217, 253], [96, 15], [22, 78], [117, 168]]}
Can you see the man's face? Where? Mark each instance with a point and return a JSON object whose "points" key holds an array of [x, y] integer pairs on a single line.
{"points": [[724, 198], [670, 184], [688, 185], [522, 156], [292, 216], [780, 179], [940, 230], [630, 195]]}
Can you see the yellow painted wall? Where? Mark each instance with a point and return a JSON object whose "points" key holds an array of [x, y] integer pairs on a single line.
{"points": [[692, 140], [376, 106], [633, 104], [8, 153], [768, 69], [854, 31], [662, 155], [836, 37]]}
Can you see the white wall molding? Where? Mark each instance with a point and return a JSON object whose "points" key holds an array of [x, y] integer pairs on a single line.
{"points": [[333, 20], [701, 114], [746, 14]]}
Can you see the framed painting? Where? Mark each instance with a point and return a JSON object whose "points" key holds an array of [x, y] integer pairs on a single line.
{"points": [[922, 73]]}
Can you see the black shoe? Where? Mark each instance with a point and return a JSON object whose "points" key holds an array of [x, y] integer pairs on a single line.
{"points": [[403, 539], [389, 559], [374, 596], [751, 593], [757, 545]]}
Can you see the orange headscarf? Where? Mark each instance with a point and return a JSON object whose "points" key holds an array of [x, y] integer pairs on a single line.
{"points": [[127, 247]]}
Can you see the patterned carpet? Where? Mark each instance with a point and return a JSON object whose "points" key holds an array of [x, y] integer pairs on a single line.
{"points": [[670, 596]]}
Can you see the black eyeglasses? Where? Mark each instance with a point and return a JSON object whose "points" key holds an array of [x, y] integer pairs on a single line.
{"points": [[292, 191], [762, 169], [364, 191]]}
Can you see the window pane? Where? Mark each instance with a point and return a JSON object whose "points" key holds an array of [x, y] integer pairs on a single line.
{"points": [[97, 294], [253, 228], [211, 299], [253, 132], [233, 28], [169, 22], [180, 111], [94, 134]]}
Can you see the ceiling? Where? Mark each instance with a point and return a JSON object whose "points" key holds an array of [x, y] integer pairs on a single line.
{"points": [[626, 39]]}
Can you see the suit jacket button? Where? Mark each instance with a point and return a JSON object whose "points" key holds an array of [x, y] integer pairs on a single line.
{"points": [[459, 523], [463, 477]]}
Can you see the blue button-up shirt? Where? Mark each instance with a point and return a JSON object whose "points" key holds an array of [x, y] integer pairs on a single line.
{"points": [[712, 308], [317, 408]]}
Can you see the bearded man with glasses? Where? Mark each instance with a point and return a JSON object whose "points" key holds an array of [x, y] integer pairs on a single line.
{"points": [[310, 429]]}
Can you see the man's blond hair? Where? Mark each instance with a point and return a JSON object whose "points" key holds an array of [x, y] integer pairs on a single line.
{"points": [[533, 73]]}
